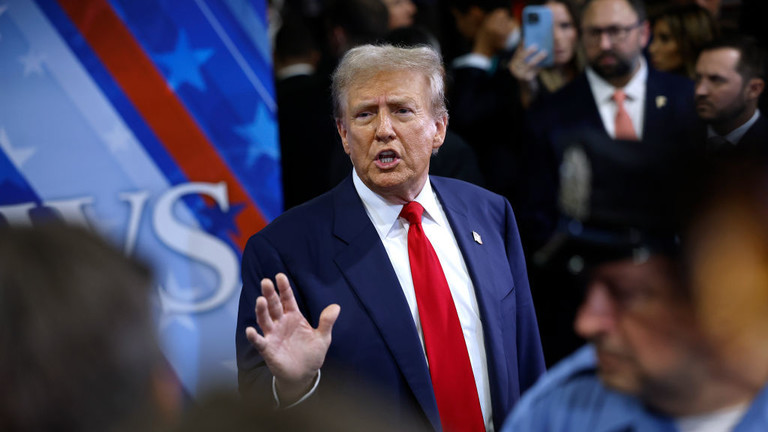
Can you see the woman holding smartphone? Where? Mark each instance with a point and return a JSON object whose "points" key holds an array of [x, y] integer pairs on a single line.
{"points": [[534, 79]]}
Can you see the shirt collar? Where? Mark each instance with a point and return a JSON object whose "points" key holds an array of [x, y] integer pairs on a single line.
{"points": [[295, 70], [634, 89], [384, 215], [735, 135]]}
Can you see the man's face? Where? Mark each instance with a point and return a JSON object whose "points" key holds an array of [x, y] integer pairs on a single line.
{"points": [[641, 329], [389, 131], [720, 90], [613, 39]]}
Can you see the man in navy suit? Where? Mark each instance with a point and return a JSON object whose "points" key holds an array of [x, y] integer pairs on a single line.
{"points": [[619, 103], [342, 261], [730, 78]]}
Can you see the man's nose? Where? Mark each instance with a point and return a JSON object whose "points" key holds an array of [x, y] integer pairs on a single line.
{"points": [[384, 130], [596, 314], [700, 89], [605, 41]]}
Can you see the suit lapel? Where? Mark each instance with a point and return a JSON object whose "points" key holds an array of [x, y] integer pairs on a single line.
{"points": [[654, 107], [585, 100], [489, 290], [364, 262]]}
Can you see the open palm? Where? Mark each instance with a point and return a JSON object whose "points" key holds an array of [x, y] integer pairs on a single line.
{"points": [[291, 348]]}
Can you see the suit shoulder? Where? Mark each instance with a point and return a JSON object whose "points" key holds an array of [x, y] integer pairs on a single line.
{"points": [[464, 189], [305, 217], [571, 389], [671, 82]]}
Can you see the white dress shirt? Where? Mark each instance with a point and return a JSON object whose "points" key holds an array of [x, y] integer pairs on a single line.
{"points": [[393, 231], [602, 91]]}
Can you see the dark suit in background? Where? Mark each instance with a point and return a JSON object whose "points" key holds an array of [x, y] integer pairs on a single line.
{"points": [[309, 144]]}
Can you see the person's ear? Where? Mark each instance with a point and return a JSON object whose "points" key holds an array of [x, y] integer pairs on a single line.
{"points": [[754, 88], [441, 128], [645, 33], [343, 134]]}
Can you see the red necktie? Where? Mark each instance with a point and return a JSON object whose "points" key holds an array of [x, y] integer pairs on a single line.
{"points": [[624, 128], [449, 366]]}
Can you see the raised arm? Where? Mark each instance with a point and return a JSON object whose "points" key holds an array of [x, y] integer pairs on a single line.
{"points": [[292, 350]]}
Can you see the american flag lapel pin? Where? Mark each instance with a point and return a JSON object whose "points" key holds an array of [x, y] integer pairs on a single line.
{"points": [[477, 237]]}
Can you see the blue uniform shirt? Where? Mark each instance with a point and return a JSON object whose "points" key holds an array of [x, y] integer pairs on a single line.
{"points": [[570, 397]]}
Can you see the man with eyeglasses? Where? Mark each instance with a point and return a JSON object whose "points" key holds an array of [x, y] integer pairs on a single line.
{"points": [[630, 112]]}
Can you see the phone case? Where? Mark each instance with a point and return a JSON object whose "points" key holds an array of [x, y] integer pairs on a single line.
{"points": [[537, 30]]}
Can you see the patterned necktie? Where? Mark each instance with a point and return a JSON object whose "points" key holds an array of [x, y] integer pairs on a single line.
{"points": [[623, 124], [449, 366]]}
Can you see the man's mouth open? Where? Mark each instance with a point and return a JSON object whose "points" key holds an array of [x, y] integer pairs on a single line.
{"points": [[387, 159]]}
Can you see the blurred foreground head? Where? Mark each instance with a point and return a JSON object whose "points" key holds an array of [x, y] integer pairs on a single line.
{"points": [[78, 349], [728, 254]]}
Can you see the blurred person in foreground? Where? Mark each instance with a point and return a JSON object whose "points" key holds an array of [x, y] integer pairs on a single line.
{"points": [[432, 314], [679, 34], [78, 348], [730, 78], [651, 363]]}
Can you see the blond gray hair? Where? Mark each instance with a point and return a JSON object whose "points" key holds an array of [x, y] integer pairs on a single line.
{"points": [[362, 63]]}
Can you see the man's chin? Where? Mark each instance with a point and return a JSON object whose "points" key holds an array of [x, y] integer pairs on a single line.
{"points": [[617, 372], [609, 72], [621, 381]]}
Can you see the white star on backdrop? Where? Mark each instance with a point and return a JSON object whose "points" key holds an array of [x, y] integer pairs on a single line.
{"points": [[33, 63], [118, 138], [18, 156]]}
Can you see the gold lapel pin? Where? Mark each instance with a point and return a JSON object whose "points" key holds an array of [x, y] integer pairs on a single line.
{"points": [[477, 237], [661, 101]]}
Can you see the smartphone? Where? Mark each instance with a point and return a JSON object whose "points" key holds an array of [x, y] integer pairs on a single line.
{"points": [[537, 30]]}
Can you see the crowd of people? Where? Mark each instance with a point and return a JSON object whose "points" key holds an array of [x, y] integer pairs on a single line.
{"points": [[472, 241]]}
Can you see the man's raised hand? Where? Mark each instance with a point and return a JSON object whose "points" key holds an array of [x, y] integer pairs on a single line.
{"points": [[291, 348]]}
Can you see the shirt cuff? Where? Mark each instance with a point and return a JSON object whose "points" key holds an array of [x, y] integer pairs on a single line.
{"points": [[477, 61], [303, 398]]}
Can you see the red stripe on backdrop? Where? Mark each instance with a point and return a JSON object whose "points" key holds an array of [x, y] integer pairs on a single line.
{"points": [[147, 89]]}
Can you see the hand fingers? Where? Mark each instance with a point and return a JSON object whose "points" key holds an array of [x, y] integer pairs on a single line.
{"points": [[255, 338], [274, 305], [286, 293], [531, 50], [327, 319], [262, 315], [538, 58]]}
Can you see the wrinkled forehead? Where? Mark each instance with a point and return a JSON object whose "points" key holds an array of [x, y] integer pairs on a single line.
{"points": [[398, 82]]}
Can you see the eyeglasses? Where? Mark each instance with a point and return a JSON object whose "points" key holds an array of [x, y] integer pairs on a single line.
{"points": [[615, 33]]}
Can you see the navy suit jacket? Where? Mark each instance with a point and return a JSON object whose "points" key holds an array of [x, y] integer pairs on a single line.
{"points": [[331, 253], [755, 141], [671, 130]]}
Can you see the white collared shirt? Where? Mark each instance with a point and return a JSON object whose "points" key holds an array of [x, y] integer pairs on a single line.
{"points": [[473, 60], [735, 135], [393, 232], [602, 91], [295, 70]]}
